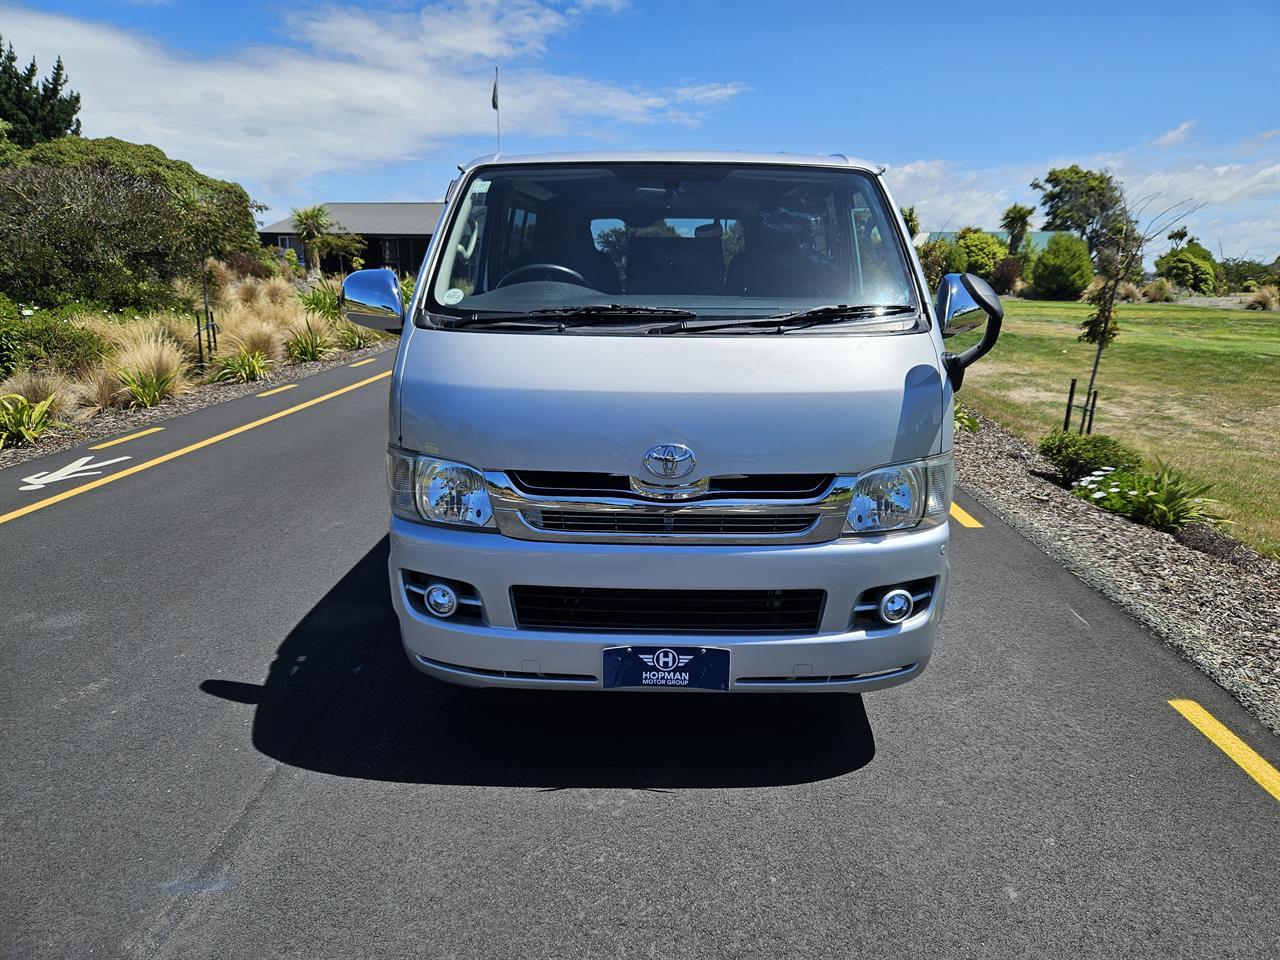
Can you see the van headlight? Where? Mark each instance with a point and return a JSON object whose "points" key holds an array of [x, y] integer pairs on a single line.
{"points": [[438, 491], [901, 497]]}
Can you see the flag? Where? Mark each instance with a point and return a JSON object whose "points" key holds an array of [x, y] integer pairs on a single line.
{"points": [[495, 88]]}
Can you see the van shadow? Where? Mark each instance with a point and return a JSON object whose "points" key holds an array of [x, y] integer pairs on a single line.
{"points": [[342, 698]]}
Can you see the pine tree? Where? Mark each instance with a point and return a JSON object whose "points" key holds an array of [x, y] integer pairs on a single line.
{"points": [[36, 110]]}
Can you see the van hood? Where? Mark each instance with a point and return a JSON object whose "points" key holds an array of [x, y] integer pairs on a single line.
{"points": [[743, 404]]}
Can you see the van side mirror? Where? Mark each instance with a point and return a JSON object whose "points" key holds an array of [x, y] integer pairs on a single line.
{"points": [[961, 297], [371, 298]]}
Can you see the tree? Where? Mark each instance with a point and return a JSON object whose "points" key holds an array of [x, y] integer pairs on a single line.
{"points": [[36, 111], [938, 257], [1176, 237], [983, 252], [313, 224], [1125, 245], [345, 246], [95, 235], [1063, 270], [9, 151], [1086, 202], [231, 224], [1016, 220], [912, 220]]}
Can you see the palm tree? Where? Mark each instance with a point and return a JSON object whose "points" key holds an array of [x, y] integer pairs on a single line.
{"points": [[312, 224], [1016, 220], [911, 219]]}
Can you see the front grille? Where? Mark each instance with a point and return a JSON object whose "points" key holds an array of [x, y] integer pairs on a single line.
{"points": [[692, 523], [777, 486], [668, 611]]}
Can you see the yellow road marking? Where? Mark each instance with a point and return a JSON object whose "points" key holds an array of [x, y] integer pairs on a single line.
{"points": [[273, 392], [183, 451], [1246, 759], [963, 516], [126, 439], [361, 363]]}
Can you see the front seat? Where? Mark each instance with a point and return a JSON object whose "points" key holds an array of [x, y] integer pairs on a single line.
{"points": [[562, 236]]}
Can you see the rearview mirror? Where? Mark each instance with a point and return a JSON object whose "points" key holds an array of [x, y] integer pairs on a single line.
{"points": [[961, 298], [371, 298]]}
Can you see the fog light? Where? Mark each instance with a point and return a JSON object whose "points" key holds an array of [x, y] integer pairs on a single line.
{"points": [[896, 606], [443, 601]]}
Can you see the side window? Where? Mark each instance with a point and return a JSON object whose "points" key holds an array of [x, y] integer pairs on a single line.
{"points": [[465, 275]]}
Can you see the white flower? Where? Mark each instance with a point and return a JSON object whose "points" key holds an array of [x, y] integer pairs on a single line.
{"points": [[28, 313], [1114, 489], [1107, 469], [1099, 495], [1133, 493]]}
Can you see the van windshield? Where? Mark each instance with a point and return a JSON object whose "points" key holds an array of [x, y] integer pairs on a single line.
{"points": [[718, 240]]}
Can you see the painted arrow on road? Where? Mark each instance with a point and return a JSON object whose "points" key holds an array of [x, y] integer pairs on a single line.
{"points": [[77, 468]]}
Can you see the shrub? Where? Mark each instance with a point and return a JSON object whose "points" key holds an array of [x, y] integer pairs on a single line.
{"points": [[1063, 270], [253, 334], [322, 300], [242, 367], [407, 283], [966, 421], [1128, 292], [88, 234], [1075, 455], [47, 342], [308, 341], [350, 336], [278, 290], [1158, 291], [37, 386], [99, 389], [225, 214], [151, 368], [982, 251], [22, 421], [248, 264], [1264, 298], [1162, 499], [1008, 272], [1184, 269], [247, 291]]}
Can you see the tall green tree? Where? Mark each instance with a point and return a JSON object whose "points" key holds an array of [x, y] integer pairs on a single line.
{"points": [[1086, 202], [36, 110], [912, 220], [1017, 221], [313, 224]]}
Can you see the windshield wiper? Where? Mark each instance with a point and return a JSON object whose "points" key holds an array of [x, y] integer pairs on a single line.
{"points": [[551, 318], [786, 322], [610, 311]]}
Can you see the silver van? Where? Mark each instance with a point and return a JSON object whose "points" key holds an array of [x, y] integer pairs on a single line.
{"points": [[671, 421]]}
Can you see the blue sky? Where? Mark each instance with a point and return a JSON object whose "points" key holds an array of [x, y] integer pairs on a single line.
{"points": [[965, 103]]}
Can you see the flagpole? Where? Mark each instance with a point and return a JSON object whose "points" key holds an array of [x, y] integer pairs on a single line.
{"points": [[497, 111]]}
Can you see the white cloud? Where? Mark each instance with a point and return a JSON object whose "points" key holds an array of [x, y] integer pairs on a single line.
{"points": [[1177, 135], [708, 92], [362, 90]]}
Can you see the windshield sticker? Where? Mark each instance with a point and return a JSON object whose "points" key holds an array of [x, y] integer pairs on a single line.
{"points": [[452, 295]]}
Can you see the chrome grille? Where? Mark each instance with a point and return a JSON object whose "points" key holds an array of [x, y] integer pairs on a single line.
{"points": [[623, 521], [587, 507]]}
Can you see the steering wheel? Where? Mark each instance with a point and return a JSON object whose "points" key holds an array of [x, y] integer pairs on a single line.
{"points": [[555, 271]]}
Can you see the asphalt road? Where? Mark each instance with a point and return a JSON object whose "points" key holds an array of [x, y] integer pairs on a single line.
{"points": [[214, 747]]}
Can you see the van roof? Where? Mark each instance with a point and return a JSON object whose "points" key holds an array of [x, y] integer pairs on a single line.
{"points": [[679, 156]]}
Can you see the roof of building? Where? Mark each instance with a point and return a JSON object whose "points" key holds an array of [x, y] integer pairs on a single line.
{"points": [[376, 219], [679, 156], [1039, 238]]}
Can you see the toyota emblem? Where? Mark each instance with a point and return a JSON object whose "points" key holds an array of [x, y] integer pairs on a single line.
{"points": [[670, 461]]}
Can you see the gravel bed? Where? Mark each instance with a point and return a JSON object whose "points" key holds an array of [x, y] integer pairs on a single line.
{"points": [[1184, 595], [110, 423]]}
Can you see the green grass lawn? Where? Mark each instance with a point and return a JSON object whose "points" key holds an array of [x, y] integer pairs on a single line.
{"points": [[1196, 387]]}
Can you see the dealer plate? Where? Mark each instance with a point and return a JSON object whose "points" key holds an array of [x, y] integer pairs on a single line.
{"points": [[695, 668]]}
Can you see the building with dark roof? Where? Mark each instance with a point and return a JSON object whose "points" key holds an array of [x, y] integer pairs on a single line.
{"points": [[395, 234]]}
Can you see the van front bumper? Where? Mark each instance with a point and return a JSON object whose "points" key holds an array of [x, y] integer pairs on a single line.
{"points": [[496, 652]]}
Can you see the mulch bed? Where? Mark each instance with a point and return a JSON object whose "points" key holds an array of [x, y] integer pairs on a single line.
{"points": [[1211, 598]]}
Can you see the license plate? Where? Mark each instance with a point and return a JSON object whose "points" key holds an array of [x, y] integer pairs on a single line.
{"points": [[656, 668]]}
